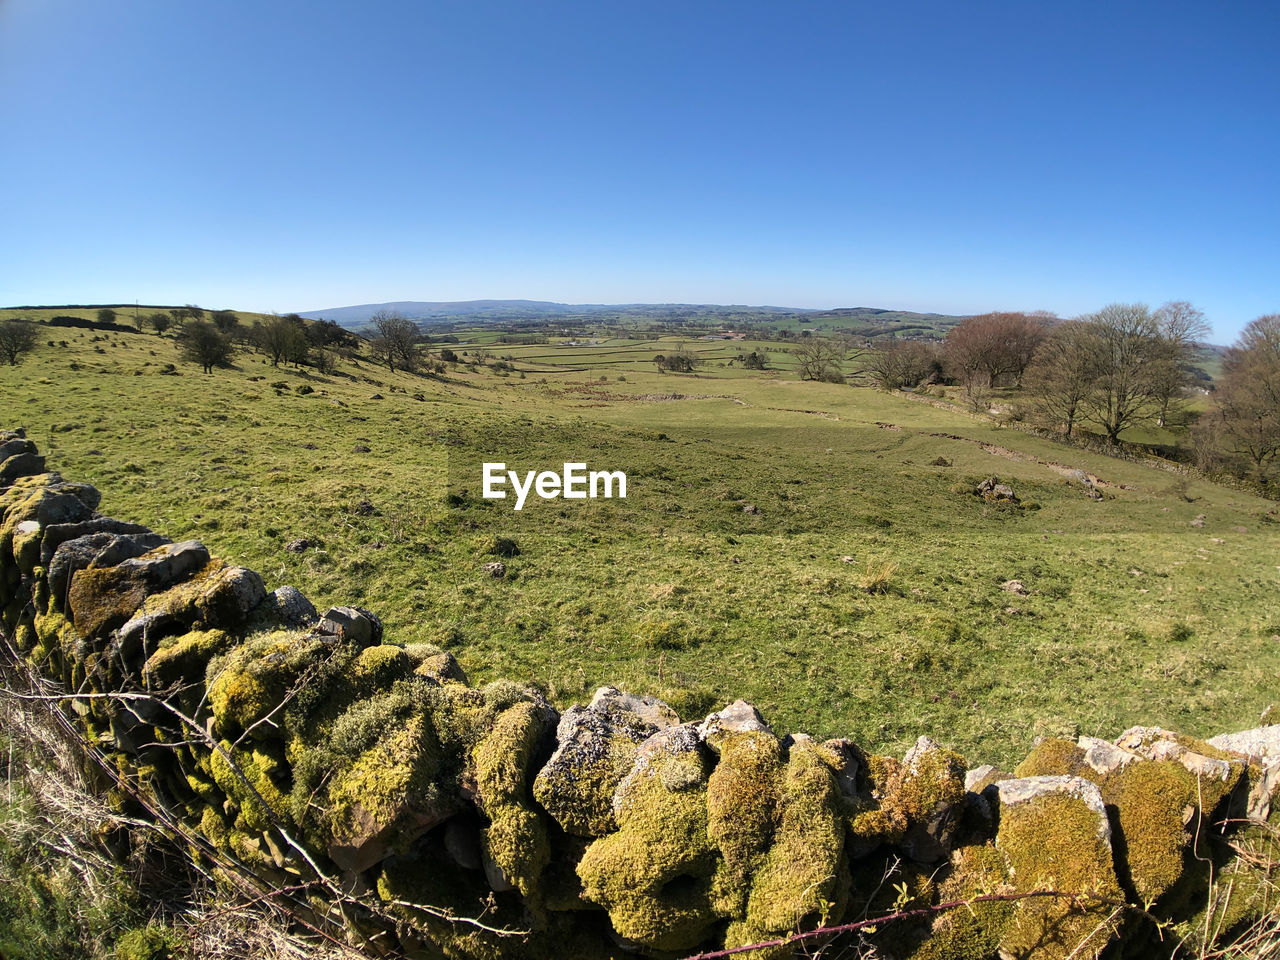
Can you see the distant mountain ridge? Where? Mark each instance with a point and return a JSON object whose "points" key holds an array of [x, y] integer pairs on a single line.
{"points": [[358, 315]]}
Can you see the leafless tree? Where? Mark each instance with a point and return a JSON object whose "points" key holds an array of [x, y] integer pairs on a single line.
{"points": [[983, 350], [396, 342], [1126, 355], [1182, 327], [1245, 422], [1060, 377], [820, 358], [902, 363]]}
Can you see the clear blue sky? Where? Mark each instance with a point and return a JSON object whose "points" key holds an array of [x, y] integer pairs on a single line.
{"points": [[949, 156]]}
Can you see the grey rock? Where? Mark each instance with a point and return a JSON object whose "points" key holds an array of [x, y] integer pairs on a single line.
{"points": [[1027, 789], [1260, 743], [595, 748], [301, 545], [737, 717], [12, 446], [290, 608], [59, 533], [497, 569], [1105, 757], [612, 702], [96, 549], [929, 840], [351, 624], [462, 843], [979, 777], [1155, 743], [20, 465]]}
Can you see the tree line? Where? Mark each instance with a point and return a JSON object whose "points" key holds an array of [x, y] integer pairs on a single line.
{"points": [[1123, 366]]}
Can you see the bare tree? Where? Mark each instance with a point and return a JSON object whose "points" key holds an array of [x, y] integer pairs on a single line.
{"points": [[1245, 422], [17, 339], [819, 358], [1182, 327], [1061, 375], [160, 322], [1126, 353], [902, 363], [396, 342], [983, 350], [106, 315]]}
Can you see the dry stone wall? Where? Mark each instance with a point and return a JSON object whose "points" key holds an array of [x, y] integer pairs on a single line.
{"points": [[311, 752]]}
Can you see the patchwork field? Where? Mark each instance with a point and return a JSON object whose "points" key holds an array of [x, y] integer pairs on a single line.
{"points": [[759, 509]]}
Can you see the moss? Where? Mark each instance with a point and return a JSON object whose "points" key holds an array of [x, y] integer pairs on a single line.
{"points": [[1053, 756], [103, 598], [253, 679], [185, 658], [804, 880], [654, 874], [913, 805], [875, 819], [973, 931], [215, 828], [516, 837], [377, 668], [1052, 843], [388, 796], [423, 878], [1243, 891], [152, 942], [262, 767], [584, 806], [742, 803]]}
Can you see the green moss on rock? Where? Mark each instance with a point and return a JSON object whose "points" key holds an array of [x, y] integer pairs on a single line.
{"points": [[1059, 842], [804, 880], [742, 808], [388, 797], [516, 838], [654, 874], [974, 931]]}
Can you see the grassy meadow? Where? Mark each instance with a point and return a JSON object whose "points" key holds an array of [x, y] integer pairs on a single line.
{"points": [[759, 507]]}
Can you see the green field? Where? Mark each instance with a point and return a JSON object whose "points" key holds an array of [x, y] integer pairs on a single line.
{"points": [[1131, 613]]}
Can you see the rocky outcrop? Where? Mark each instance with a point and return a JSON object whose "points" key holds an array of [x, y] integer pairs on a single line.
{"points": [[308, 748]]}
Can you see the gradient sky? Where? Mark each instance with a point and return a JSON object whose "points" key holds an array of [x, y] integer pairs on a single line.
{"points": [[949, 156]]}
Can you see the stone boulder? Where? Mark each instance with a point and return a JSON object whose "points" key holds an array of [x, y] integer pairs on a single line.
{"points": [[595, 748]]}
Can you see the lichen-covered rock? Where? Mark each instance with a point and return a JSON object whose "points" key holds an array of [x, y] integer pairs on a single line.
{"points": [[595, 748], [435, 664], [976, 929], [914, 803], [102, 549], [654, 874], [388, 797], [516, 838], [184, 659], [742, 808], [1259, 743], [252, 681], [737, 717], [1054, 835], [290, 608], [803, 881], [1160, 792], [351, 625], [20, 465], [103, 598]]}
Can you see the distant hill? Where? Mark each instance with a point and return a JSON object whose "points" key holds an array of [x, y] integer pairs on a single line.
{"points": [[866, 321]]}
